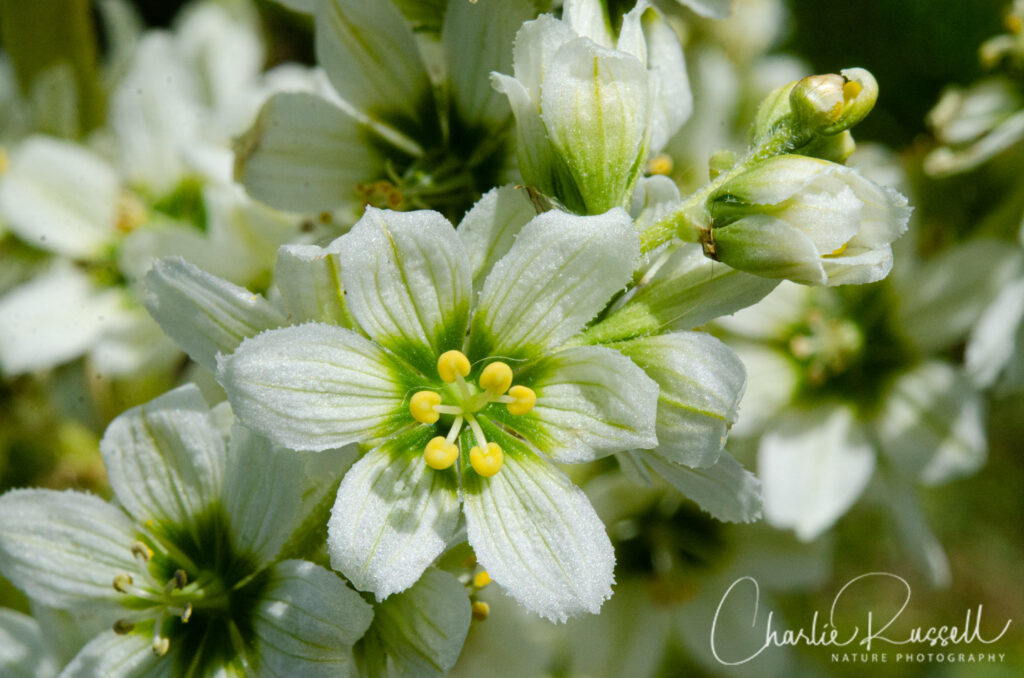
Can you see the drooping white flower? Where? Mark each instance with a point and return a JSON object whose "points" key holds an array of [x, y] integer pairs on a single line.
{"points": [[191, 566], [808, 220]]}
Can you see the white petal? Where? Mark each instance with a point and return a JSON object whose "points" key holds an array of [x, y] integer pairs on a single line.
{"points": [[931, 424], [996, 340], [591, 402], [422, 630], [132, 345], [713, 9], [858, 268], [309, 279], [165, 459], [916, 537], [60, 197], [477, 39], [306, 622], [631, 36], [393, 517], [370, 54], [595, 106], [726, 490], [305, 154], [538, 536], [558, 275], [700, 384], [23, 653], [52, 319], [64, 548], [409, 284], [490, 228], [772, 380], [940, 300], [269, 491], [684, 293], [315, 386], [587, 18], [203, 313], [667, 64], [536, 44], [113, 656], [813, 466], [771, 247]]}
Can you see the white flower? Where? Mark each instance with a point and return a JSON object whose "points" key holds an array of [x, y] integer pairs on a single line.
{"points": [[808, 220], [589, 109], [190, 565]]}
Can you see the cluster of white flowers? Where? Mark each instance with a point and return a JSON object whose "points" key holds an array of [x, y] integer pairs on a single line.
{"points": [[419, 284]]}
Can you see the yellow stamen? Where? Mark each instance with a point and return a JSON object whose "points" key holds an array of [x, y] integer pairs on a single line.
{"points": [[481, 579], [480, 610], [496, 378], [524, 399], [140, 550], [122, 582], [660, 164], [161, 645], [452, 363], [851, 89], [839, 250], [486, 462], [440, 454], [422, 406]]}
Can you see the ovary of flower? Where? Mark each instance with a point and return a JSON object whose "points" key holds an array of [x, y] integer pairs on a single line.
{"points": [[495, 384], [151, 600]]}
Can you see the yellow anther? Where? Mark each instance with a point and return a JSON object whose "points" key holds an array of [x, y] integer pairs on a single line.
{"points": [[851, 89], [161, 645], [440, 454], [422, 406], [660, 164], [496, 378], [123, 627], [480, 610], [487, 462], [140, 550], [186, 613], [525, 399], [481, 579], [122, 582], [180, 579], [839, 250], [452, 363]]}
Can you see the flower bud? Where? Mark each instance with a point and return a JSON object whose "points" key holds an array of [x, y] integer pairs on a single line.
{"points": [[808, 220]]}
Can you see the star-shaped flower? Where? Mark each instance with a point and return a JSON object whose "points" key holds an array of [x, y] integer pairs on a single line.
{"points": [[464, 399], [188, 564]]}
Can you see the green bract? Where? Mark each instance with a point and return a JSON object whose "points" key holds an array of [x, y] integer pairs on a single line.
{"points": [[186, 566]]}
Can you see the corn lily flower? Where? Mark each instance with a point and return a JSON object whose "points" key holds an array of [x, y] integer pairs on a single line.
{"points": [[190, 565], [464, 394]]}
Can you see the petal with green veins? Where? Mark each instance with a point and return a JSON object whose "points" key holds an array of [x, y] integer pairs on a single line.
{"points": [[422, 630], [726, 490], [409, 283], [394, 515], [306, 622], [536, 44], [537, 534], [309, 279], [489, 229], [165, 459], [114, 656], [316, 386], [559, 274], [269, 490], [591, 402], [594, 104], [205, 314], [765, 245], [667, 64], [306, 154], [64, 548], [370, 54], [700, 384]]}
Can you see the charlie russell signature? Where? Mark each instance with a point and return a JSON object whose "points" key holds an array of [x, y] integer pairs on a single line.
{"points": [[875, 630]]}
